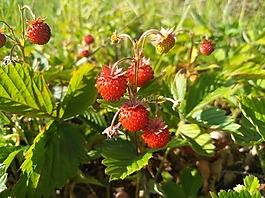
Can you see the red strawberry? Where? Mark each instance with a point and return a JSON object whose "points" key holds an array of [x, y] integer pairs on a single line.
{"points": [[156, 134], [133, 116], [145, 73], [89, 39], [39, 32], [2, 40], [111, 83], [85, 53], [164, 43], [206, 47]]}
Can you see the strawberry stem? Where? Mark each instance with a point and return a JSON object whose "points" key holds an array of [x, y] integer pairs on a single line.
{"points": [[16, 40], [190, 53], [29, 9], [161, 164], [122, 60]]}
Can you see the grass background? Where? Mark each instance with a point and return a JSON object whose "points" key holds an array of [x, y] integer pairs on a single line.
{"points": [[231, 23]]}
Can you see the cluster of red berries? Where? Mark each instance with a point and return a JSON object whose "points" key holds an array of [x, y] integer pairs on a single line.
{"points": [[88, 39], [38, 32], [112, 84]]}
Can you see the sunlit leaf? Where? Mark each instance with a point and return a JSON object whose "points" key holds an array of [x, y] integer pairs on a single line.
{"points": [[253, 109], [191, 181], [171, 189], [3, 178], [216, 119], [24, 92], [121, 158], [81, 92], [251, 183], [200, 140], [178, 88], [11, 157], [206, 89], [51, 160]]}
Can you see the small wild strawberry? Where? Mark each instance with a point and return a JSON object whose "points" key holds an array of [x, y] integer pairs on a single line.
{"points": [[2, 40], [89, 39], [206, 47], [133, 116], [85, 53], [166, 42], [156, 134], [145, 72], [38, 32], [111, 83]]}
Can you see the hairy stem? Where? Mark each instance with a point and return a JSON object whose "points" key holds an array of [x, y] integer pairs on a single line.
{"points": [[161, 164]]}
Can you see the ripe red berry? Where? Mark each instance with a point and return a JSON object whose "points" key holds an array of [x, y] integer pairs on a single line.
{"points": [[206, 47], [156, 134], [2, 40], [89, 39], [85, 53], [111, 83], [145, 73], [38, 32], [133, 116]]}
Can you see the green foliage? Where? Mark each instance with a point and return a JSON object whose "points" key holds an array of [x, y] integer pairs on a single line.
{"points": [[82, 80], [51, 122], [248, 190], [199, 139], [190, 183], [121, 158], [253, 109], [51, 160], [24, 92], [3, 178]]}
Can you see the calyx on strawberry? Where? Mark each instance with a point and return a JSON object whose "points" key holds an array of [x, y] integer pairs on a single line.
{"points": [[38, 32], [133, 116], [2, 38], [156, 134], [145, 72], [111, 83], [166, 42]]}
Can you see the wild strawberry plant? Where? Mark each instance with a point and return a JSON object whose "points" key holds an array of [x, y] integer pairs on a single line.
{"points": [[145, 110]]}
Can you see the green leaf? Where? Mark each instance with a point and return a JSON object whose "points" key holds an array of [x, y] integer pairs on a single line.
{"points": [[216, 119], [3, 178], [251, 183], [207, 88], [51, 160], [5, 151], [253, 109], [171, 190], [248, 134], [81, 91], [121, 158], [200, 140], [94, 119], [191, 181], [178, 89], [149, 90], [176, 142], [155, 188], [24, 92], [10, 158]]}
